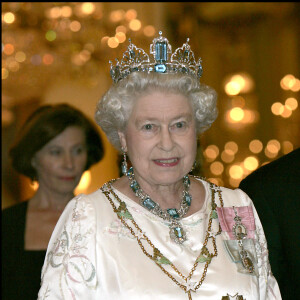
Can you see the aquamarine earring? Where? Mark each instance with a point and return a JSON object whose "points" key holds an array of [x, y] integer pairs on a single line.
{"points": [[124, 163]]}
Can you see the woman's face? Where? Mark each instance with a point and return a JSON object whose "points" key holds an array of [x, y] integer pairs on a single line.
{"points": [[160, 138], [61, 162]]}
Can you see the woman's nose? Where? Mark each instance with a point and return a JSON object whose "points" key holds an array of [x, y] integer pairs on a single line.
{"points": [[166, 140], [68, 161]]}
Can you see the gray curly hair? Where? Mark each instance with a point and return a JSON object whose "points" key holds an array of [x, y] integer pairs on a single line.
{"points": [[114, 108]]}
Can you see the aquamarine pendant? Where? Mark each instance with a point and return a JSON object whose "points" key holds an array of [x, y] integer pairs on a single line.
{"points": [[177, 233]]}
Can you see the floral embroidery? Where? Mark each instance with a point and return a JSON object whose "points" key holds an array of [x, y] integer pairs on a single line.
{"points": [[67, 254], [117, 228], [262, 253]]}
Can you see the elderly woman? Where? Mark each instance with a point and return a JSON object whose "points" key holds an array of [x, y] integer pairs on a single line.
{"points": [[157, 232], [54, 147]]}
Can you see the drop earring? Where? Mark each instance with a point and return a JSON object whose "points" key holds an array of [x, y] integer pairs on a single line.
{"points": [[194, 166], [124, 163]]}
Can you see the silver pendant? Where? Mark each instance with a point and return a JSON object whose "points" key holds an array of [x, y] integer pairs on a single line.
{"points": [[240, 232], [177, 233]]}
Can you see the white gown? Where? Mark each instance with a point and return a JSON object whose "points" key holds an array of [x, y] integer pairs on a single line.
{"points": [[92, 255]]}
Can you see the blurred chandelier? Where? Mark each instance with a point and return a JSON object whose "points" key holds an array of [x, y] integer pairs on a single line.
{"points": [[47, 41]]}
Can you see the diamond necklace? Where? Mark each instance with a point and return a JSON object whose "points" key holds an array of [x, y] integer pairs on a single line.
{"points": [[204, 257], [172, 215]]}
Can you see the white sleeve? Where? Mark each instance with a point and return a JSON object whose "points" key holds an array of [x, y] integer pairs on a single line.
{"points": [[69, 267], [268, 285]]}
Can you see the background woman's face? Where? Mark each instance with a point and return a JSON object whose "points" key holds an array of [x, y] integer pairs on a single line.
{"points": [[160, 138], [61, 162]]}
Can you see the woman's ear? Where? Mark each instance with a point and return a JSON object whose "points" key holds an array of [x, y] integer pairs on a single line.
{"points": [[122, 140]]}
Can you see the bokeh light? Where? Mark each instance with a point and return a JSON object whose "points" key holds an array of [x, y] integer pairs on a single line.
{"points": [[135, 25], [8, 49], [20, 56], [48, 59], [9, 18], [14, 66], [121, 28], [117, 15], [104, 40], [216, 168], [291, 103], [287, 147], [277, 108], [66, 11], [227, 156], [236, 114], [256, 146], [232, 88], [211, 152], [287, 81], [88, 8], [236, 171], [237, 83], [287, 112], [5, 73], [149, 30], [113, 42], [75, 26], [251, 163], [50, 35], [120, 36], [130, 14], [36, 59], [272, 148], [231, 147]]}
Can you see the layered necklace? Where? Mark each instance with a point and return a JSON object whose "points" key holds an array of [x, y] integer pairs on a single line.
{"points": [[172, 215], [205, 257]]}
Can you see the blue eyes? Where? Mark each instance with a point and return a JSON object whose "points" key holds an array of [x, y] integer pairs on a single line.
{"points": [[148, 127], [178, 126]]}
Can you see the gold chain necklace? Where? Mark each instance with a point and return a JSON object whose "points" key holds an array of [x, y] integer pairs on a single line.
{"points": [[160, 260]]}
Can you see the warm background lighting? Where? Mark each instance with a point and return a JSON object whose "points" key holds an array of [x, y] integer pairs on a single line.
{"points": [[59, 52], [9, 18], [211, 152], [256, 146], [135, 24], [84, 183]]}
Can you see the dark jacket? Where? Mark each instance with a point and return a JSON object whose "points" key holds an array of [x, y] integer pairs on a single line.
{"points": [[275, 190], [21, 270]]}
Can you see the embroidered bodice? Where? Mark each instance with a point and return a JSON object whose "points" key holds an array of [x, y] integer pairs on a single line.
{"points": [[92, 254]]}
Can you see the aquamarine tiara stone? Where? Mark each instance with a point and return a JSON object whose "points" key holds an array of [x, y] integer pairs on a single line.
{"points": [[163, 61]]}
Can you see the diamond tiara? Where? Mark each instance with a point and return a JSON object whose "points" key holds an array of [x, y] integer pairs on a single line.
{"points": [[137, 60]]}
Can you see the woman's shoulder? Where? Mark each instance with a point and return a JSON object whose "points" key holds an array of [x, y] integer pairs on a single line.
{"points": [[89, 203], [230, 197], [16, 211], [235, 197], [89, 198]]}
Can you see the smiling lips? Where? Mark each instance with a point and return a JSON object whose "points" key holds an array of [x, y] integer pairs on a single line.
{"points": [[170, 162], [68, 178]]}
